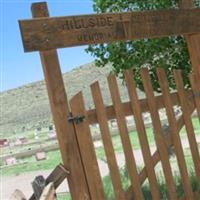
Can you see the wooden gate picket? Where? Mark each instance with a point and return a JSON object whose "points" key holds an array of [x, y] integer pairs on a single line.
{"points": [[174, 132], [121, 121], [106, 137], [79, 118], [188, 122], [159, 137], [135, 105], [60, 110], [193, 40]]}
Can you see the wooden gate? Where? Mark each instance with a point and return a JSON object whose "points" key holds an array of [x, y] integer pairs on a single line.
{"points": [[188, 100], [72, 121]]}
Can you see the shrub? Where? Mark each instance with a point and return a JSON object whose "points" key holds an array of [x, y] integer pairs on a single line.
{"points": [[146, 189]]}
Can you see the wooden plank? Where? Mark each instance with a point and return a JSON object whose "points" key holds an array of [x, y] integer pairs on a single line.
{"points": [[196, 196], [188, 122], [57, 176], [86, 147], [107, 141], [60, 110], [92, 117], [40, 34], [128, 152], [159, 137], [195, 83], [193, 40], [184, 4], [136, 109], [176, 140]]}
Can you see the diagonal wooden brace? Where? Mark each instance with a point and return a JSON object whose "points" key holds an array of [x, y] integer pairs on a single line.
{"points": [[57, 176]]}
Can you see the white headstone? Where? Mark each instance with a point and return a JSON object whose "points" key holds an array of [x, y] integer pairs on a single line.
{"points": [[11, 161], [40, 156]]}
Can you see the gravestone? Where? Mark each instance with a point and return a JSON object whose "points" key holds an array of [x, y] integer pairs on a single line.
{"points": [[11, 161], [40, 156]]}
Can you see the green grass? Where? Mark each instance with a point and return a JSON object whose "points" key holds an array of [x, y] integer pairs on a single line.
{"points": [[54, 158], [39, 144], [146, 189], [109, 192], [30, 164], [135, 140], [196, 126], [63, 196]]}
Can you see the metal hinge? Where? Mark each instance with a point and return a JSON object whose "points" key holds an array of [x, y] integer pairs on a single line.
{"points": [[77, 119]]}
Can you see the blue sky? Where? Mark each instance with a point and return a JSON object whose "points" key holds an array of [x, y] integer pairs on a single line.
{"points": [[18, 68]]}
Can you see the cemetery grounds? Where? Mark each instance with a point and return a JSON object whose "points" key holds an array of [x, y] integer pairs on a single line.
{"points": [[29, 166]]}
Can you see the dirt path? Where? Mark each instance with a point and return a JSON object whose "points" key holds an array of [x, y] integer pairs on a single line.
{"points": [[23, 182], [8, 184]]}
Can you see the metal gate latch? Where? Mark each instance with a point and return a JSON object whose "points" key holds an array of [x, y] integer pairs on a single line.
{"points": [[77, 119]]}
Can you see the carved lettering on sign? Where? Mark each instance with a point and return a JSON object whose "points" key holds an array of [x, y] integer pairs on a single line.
{"points": [[96, 36], [84, 23], [40, 34]]}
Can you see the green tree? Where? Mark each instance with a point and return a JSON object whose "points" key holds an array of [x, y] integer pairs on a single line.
{"points": [[168, 52]]}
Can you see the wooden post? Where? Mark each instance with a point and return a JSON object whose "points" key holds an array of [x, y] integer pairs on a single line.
{"points": [[193, 41], [60, 110]]}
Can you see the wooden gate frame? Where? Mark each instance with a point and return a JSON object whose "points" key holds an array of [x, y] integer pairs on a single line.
{"points": [[59, 103]]}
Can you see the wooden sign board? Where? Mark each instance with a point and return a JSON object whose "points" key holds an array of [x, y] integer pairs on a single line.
{"points": [[56, 32]]}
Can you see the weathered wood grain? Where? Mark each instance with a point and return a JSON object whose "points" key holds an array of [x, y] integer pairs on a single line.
{"points": [[193, 40], [188, 122], [92, 115], [158, 133], [174, 132], [86, 147], [57, 176], [128, 151], [156, 155], [60, 110], [137, 113], [40, 34], [107, 141]]}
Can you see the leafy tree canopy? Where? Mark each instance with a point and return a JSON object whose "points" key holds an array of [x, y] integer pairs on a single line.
{"points": [[168, 52]]}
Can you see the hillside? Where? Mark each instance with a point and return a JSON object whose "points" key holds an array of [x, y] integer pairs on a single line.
{"points": [[27, 107]]}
